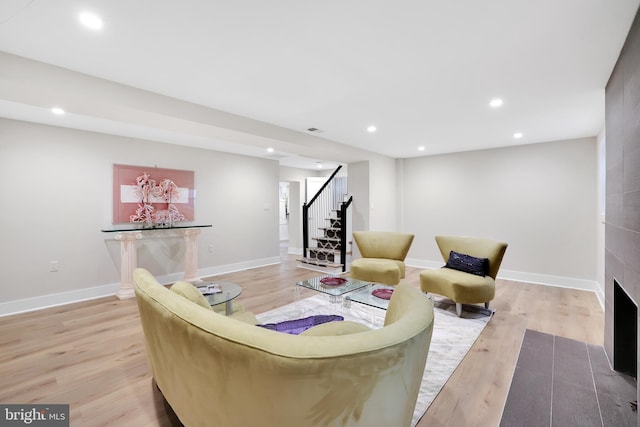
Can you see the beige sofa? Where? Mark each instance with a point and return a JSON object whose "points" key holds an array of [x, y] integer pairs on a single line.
{"points": [[216, 370]]}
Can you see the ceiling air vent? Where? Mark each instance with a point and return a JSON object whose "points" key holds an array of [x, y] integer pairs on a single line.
{"points": [[313, 129]]}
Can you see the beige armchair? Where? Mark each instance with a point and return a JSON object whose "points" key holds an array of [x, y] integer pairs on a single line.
{"points": [[462, 286], [383, 254]]}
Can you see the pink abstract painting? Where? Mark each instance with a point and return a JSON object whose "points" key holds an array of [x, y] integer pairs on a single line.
{"points": [[151, 195]]}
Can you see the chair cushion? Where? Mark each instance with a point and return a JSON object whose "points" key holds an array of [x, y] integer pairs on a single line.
{"points": [[377, 270], [191, 293], [461, 287], [468, 263]]}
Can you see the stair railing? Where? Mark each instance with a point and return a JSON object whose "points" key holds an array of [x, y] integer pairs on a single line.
{"points": [[319, 207], [343, 232]]}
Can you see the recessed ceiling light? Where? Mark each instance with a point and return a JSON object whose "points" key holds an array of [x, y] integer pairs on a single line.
{"points": [[421, 148], [495, 103], [319, 165], [90, 20], [517, 135], [270, 150], [57, 110], [371, 129]]}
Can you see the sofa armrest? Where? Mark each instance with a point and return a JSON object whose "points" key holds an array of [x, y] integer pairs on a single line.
{"points": [[336, 328]]}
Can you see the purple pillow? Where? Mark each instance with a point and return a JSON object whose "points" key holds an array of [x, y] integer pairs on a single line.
{"points": [[468, 264], [297, 326]]}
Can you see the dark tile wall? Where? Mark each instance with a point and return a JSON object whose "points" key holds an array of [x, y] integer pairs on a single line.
{"points": [[622, 229]]}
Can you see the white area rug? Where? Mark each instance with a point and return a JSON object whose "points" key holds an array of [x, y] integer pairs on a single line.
{"points": [[451, 340]]}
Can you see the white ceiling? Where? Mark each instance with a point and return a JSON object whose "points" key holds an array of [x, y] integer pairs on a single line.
{"points": [[422, 71]]}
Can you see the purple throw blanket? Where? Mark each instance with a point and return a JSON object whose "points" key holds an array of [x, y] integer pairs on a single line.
{"points": [[297, 326]]}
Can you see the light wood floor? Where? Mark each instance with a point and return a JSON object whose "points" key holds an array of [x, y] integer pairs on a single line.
{"points": [[91, 354]]}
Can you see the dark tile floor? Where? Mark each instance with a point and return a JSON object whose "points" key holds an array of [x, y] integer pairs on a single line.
{"points": [[560, 382]]}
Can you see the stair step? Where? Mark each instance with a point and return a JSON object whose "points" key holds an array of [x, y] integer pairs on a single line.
{"points": [[327, 239], [319, 263], [325, 255], [328, 245], [333, 244], [321, 269], [329, 250], [326, 250], [331, 232], [330, 239]]}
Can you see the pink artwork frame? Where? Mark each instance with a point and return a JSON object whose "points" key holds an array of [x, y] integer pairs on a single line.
{"points": [[164, 195]]}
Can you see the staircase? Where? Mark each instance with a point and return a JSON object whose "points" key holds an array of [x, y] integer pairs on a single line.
{"points": [[325, 246], [327, 250]]}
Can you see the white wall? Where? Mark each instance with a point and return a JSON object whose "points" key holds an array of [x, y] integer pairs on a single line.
{"points": [[295, 218], [57, 196], [358, 186], [374, 186], [539, 198], [383, 192], [600, 227]]}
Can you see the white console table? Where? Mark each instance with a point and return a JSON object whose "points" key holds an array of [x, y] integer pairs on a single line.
{"points": [[129, 234]]}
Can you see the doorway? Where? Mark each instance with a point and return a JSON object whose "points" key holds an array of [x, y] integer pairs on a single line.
{"points": [[283, 215]]}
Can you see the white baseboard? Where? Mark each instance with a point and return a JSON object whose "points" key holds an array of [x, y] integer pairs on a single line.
{"points": [[545, 279], [230, 268], [600, 296], [557, 281], [539, 279], [294, 251], [62, 298]]}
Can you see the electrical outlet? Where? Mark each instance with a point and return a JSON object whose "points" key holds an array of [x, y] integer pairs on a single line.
{"points": [[54, 266], [210, 249]]}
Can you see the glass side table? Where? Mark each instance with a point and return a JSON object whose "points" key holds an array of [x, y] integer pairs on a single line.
{"points": [[228, 291]]}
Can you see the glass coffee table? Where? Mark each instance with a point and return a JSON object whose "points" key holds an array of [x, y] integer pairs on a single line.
{"points": [[334, 286], [365, 296], [227, 292]]}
